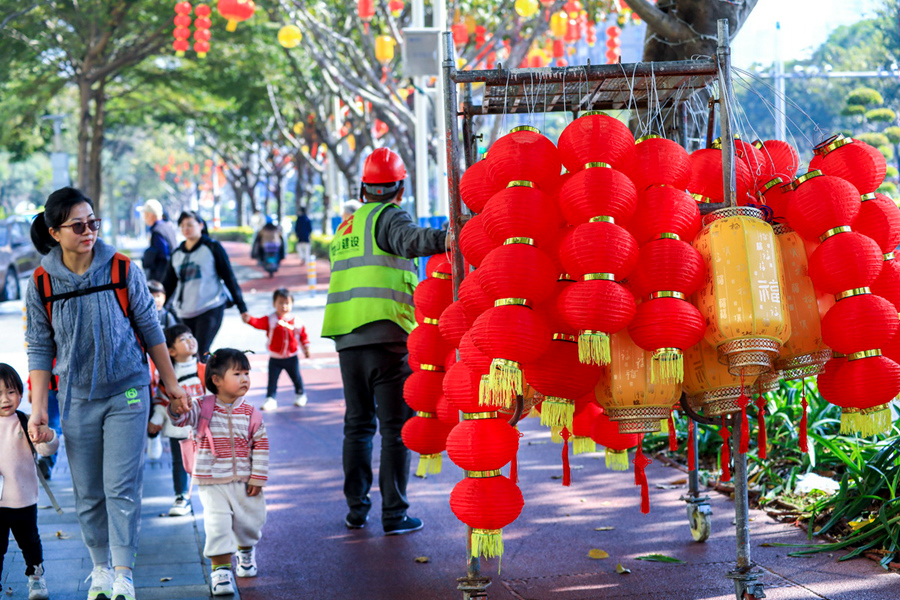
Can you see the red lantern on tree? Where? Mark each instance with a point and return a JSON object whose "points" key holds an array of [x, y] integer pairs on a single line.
{"points": [[236, 11], [201, 29], [182, 28]]}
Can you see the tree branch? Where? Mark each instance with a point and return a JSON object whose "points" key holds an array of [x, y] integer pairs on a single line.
{"points": [[672, 29]]}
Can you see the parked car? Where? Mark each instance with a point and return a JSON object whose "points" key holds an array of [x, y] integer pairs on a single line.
{"points": [[18, 258]]}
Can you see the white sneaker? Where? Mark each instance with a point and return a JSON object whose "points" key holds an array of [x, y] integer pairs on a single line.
{"points": [[154, 448], [246, 563], [37, 587], [101, 584], [181, 507], [301, 400], [221, 582], [270, 404], [123, 588]]}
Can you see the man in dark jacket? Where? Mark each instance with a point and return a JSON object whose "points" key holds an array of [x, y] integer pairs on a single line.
{"points": [[303, 231], [369, 314], [162, 241]]}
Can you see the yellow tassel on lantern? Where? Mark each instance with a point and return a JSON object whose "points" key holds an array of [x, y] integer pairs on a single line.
{"points": [[667, 366], [556, 435], [429, 463], [867, 421], [487, 542], [583, 445], [664, 426], [557, 412], [593, 347], [505, 382], [617, 460]]}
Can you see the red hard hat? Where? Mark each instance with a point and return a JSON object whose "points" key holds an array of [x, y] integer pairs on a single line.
{"points": [[383, 166]]}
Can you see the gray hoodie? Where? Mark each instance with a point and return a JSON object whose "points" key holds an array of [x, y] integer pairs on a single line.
{"points": [[97, 353]]}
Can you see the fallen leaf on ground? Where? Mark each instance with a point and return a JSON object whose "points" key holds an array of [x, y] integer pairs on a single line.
{"points": [[660, 558], [62, 535], [605, 503], [164, 579], [679, 482], [537, 443], [663, 486], [607, 528], [582, 500], [622, 570], [556, 477], [765, 545], [597, 553], [422, 559]]}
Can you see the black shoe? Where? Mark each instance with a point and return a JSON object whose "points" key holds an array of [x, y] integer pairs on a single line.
{"points": [[354, 521], [45, 466], [405, 525]]}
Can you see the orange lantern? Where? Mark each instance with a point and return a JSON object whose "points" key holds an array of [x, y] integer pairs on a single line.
{"points": [[235, 11], [708, 384]]}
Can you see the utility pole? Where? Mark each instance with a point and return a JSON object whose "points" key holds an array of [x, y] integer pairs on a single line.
{"points": [[420, 107]]}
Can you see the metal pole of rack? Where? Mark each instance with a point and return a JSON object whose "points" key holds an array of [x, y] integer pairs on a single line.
{"points": [[726, 97]]}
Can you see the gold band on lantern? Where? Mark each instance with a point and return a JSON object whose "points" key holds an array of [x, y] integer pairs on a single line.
{"points": [[596, 276], [772, 183], [512, 302], [804, 178], [843, 141], [482, 474], [850, 293], [430, 321], [479, 415], [866, 197], [834, 231], [661, 351], [652, 136], [667, 294], [589, 113], [668, 235], [863, 354], [838, 355], [425, 367], [596, 165], [520, 183], [518, 240], [602, 219], [889, 256], [506, 363], [439, 275], [426, 415], [565, 277], [565, 337], [524, 128], [702, 198]]}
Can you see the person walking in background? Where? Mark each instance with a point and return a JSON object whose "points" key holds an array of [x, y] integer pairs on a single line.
{"points": [[19, 483], [200, 282], [163, 241], [166, 317], [230, 466], [287, 335], [369, 314], [92, 313], [303, 231]]}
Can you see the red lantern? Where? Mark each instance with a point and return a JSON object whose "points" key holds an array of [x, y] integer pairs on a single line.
{"points": [[658, 161], [474, 242], [237, 11], [665, 210], [595, 137], [476, 187], [482, 444], [783, 159], [706, 177], [668, 264], [597, 308], [599, 247], [888, 283], [473, 298], [598, 191], [486, 503], [396, 7], [433, 295], [583, 426], [865, 385], [460, 34], [422, 390], [879, 219], [524, 154], [857, 162], [821, 203], [757, 165], [454, 323], [776, 195], [182, 32], [426, 346], [606, 433], [667, 326], [427, 436], [517, 271], [845, 261], [859, 322], [521, 211], [561, 378], [476, 360], [461, 386], [201, 30]]}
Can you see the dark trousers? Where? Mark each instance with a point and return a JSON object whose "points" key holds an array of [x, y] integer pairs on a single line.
{"points": [[373, 380], [292, 366], [205, 326], [23, 524], [180, 479]]}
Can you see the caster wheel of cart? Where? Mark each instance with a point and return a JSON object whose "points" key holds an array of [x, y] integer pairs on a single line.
{"points": [[699, 517]]}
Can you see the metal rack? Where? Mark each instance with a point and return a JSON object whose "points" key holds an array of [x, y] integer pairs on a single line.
{"points": [[603, 87]]}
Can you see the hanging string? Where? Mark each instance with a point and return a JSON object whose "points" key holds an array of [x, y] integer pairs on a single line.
{"points": [[726, 455], [514, 464], [673, 436], [761, 440], [567, 472], [640, 476], [692, 456], [804, 442], [743, 401]]}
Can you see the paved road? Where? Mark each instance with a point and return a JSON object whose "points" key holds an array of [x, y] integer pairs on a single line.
{"points": [[307, 553]]}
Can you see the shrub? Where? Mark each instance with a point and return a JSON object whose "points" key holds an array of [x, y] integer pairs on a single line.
{"points": [[873, 139], [891, 171], [853, 110], [888, 189], [865, 96], [320, 244], [233, 234], [893, 134], [881, 115]]}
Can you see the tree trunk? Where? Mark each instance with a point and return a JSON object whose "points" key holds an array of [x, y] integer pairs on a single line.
{"points": [[95, 164], [238, 190], [84, 131]]}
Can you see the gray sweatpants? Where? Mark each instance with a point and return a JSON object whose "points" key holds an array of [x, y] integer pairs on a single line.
{"points": [[105, 447]]}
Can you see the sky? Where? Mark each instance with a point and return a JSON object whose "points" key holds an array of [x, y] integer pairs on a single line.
{"points": [[805, 24]]}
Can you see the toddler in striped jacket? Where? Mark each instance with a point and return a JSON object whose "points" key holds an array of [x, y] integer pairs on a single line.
{"points": [[230, 468]]}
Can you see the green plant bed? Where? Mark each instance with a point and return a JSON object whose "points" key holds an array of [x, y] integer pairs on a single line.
{"points": [[320, 244], [233, 234]]}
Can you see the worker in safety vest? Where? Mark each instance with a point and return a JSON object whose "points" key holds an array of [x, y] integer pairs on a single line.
{"points": [[369, 315]]}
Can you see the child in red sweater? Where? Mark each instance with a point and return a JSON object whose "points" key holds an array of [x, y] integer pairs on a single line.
{"points": [[287, 336]]}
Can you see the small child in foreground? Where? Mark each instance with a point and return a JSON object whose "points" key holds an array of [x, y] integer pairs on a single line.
{"points": [[19, 483], [287, 335], [230, 467]]}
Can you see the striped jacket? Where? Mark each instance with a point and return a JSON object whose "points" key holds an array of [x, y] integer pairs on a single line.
{"points": [[237, 457]]}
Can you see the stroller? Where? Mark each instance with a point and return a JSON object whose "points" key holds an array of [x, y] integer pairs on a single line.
{"points": [[268, 248]]}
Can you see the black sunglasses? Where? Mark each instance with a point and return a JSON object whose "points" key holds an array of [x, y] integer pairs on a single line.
{"points": [[78, 226]]}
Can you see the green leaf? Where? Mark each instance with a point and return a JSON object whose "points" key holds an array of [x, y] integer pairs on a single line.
{"points": [[660, 558]]}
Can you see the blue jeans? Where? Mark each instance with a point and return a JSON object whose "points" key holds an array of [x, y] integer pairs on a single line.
{"points": [[53, 422], [180, 479]]}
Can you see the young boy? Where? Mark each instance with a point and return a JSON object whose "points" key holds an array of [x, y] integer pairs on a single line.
{"points": [[287, 335], [231, 466], [166, 317], [19, 483], [190, 372]]}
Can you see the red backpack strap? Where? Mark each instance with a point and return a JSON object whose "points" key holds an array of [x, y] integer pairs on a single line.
{"points": [[120, 266], [45, 290], [201, 373]]}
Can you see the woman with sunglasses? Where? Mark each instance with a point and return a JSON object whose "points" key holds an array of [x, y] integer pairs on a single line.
{"points": [[200, 282], [87, 341]]}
